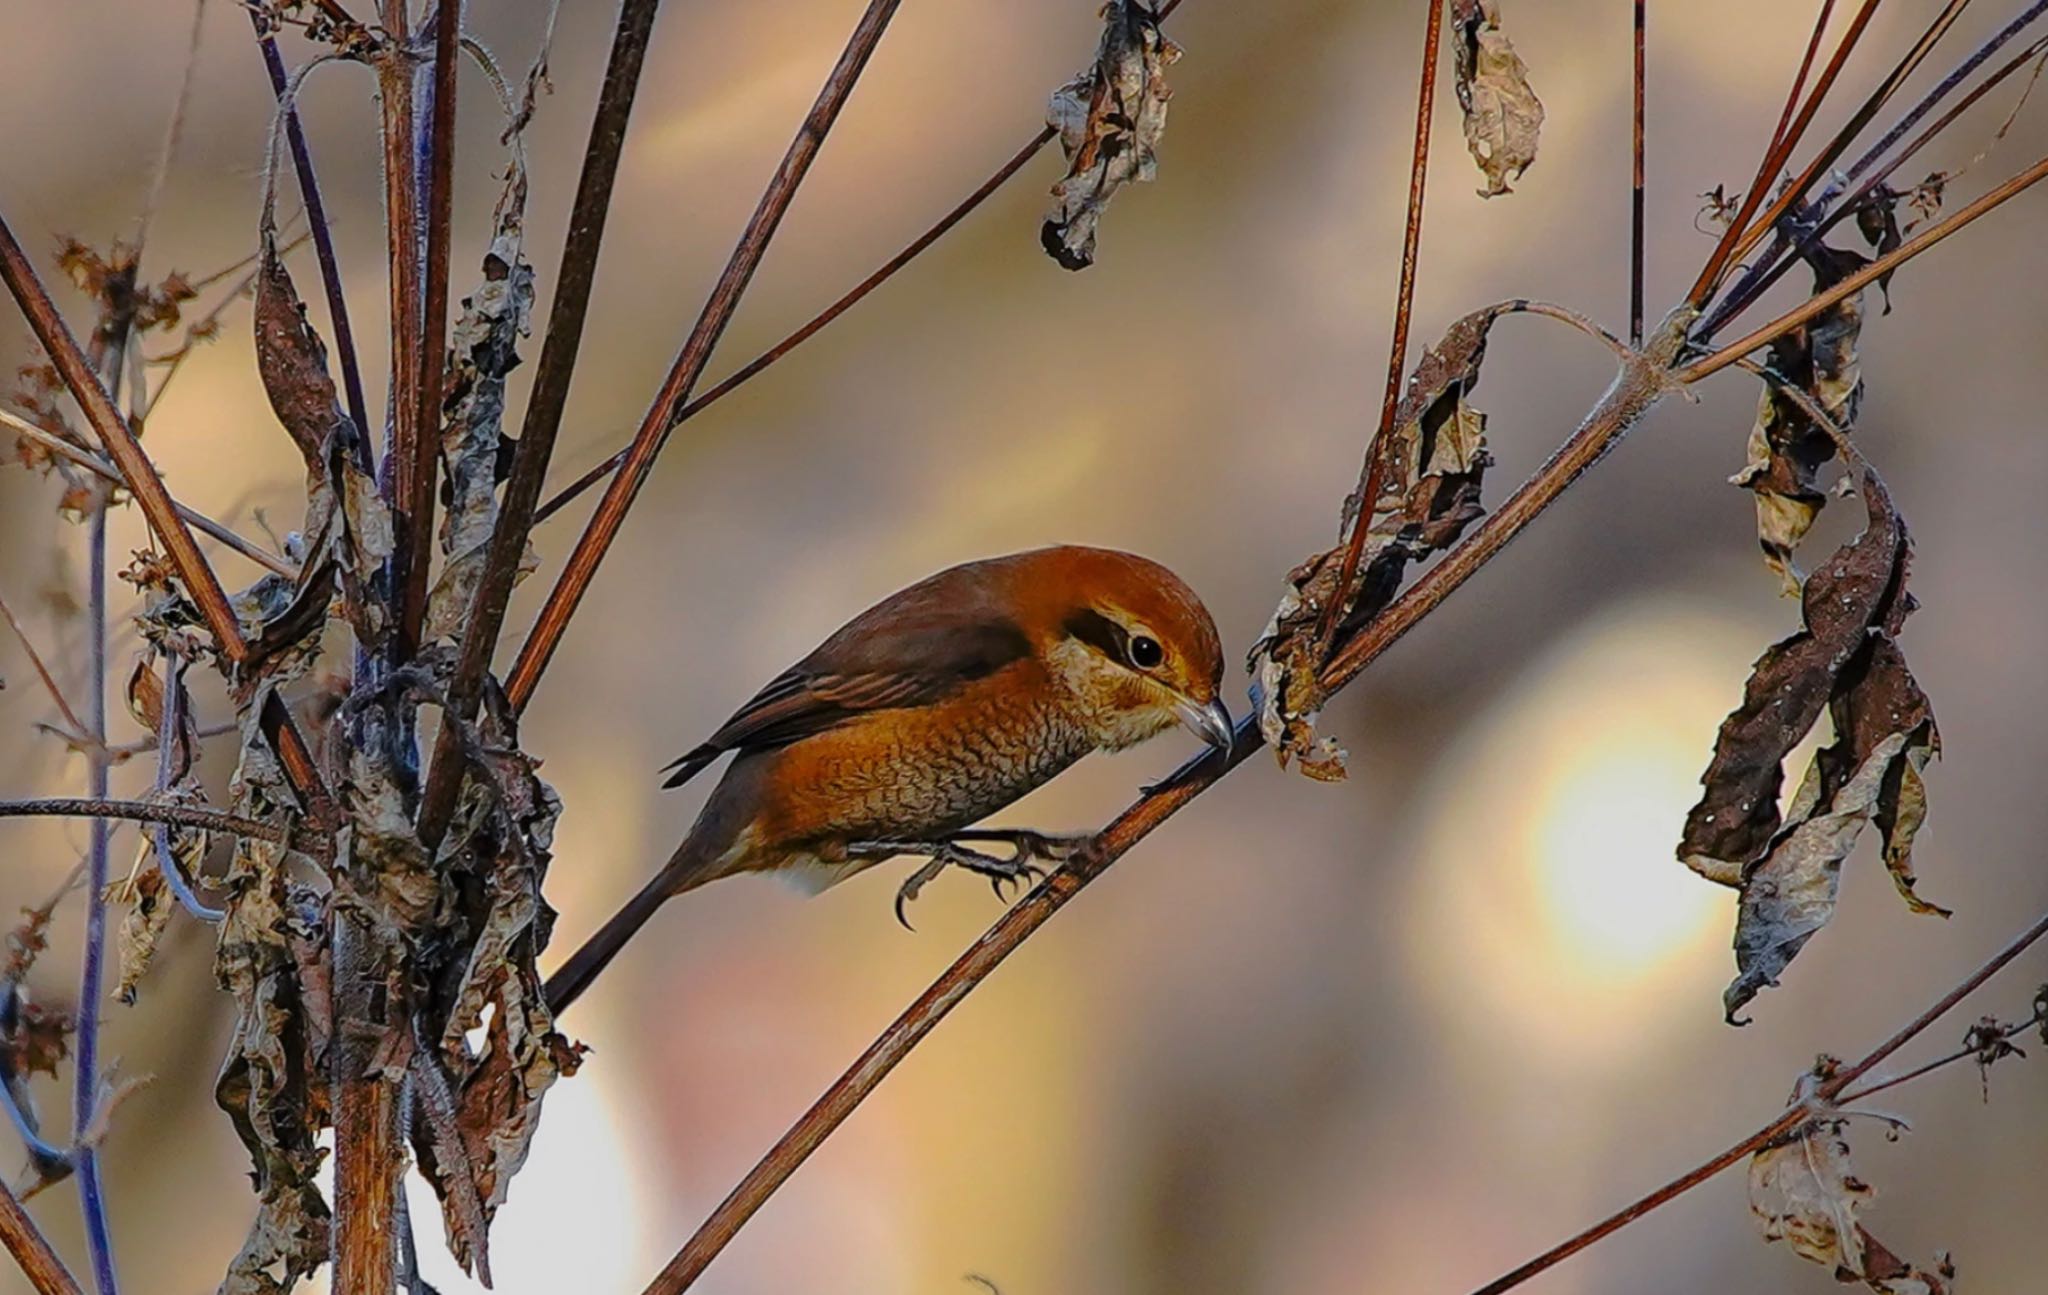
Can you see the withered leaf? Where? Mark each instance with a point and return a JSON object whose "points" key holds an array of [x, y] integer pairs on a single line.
{"points": [[1430, 469], [482, 351], [1503, 116], [146, 704], [291, 358], [1787, 447], [1804, 1191], [1844, 659], [1110, 119]]}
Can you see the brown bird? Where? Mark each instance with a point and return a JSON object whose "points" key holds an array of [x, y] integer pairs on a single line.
{"points": [[934, 708]]}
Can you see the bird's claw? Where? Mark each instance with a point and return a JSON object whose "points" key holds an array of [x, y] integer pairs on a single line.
{"points": [[1020, 868]]}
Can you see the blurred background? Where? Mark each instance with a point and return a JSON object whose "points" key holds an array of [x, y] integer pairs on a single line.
{"points": [[1397, 1034]]}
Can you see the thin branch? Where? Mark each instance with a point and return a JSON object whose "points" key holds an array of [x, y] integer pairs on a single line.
{"points": [[1778, 259], [148, 811], [85, 1092], [35, 659], [323, 239], [1829, 1092], [413, 453], [170, 729], [99, 467], [1912, 247], [1404, 307], [1639, 385], [31, 1250], [887, 270], [172, 130], [433, 342], [689, 365], [1794, 193], [1783, 142], [1635, 243], [544, 408]]}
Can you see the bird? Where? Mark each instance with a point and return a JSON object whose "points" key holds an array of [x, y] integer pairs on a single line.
{"points": [[931, 710]]}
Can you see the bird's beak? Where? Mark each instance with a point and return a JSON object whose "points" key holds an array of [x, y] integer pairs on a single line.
{"points": [[1210, 722]]}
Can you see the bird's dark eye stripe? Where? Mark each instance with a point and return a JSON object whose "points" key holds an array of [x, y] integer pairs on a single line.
{"points": [[1140, 651], [1101, 633]]}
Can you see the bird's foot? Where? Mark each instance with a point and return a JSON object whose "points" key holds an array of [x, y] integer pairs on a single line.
{"points": [[1021, 867]]}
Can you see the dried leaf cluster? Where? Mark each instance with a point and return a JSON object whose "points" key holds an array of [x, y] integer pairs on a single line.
{"points": [[1503, 116], [1110, 118], [1424, 478], [1804, 1191]]}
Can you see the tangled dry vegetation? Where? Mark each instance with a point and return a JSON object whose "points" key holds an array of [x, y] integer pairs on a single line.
{"points": [[380, 914]]}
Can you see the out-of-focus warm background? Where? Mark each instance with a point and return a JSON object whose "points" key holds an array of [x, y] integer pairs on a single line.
{"points": [[1391, 1035]]}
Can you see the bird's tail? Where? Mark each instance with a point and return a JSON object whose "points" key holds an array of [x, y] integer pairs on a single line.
{"points": [[583, 966]]}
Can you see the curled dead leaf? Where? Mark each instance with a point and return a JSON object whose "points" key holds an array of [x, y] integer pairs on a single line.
{"points": [[1787, 446], [1503, 116], [482, 351], [1110, 119], [1803, 1190], [1844, 660], [1429, 470]]}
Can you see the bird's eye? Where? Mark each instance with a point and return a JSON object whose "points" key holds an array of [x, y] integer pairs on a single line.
{"points": [[1146, 654]]}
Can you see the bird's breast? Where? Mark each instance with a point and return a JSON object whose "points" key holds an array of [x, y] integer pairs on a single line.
{"points": [[917, 773]]}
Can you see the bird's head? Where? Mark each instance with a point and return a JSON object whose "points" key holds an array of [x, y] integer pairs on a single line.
{"points": [[1132, 646]]}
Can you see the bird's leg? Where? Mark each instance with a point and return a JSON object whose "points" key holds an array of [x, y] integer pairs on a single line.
{"points": [[1020, 868]]}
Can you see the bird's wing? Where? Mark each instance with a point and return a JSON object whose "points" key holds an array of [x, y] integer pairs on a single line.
{"points": [[916, 648]]}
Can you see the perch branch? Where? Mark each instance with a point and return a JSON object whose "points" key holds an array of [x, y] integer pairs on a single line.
{"points": [[147, 811]]}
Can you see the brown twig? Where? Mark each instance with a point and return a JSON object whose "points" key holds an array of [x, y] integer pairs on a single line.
{"points": [[1791, 126], [1876, 269], [1830, 1091], [883, 274], [654, 431], [100, 468], [35, 659], [1404, 307], [1636, 233], [31, 1250], [544, 407], [146, 811]]}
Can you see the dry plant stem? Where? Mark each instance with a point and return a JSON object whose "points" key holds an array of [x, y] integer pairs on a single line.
{"points": [[1635, 242], [754, 367], [35, 659], [689, 365], [1830, 1091], [1782, 143], [146, 811], [544, 408], [1862, 278], [1639, 385], [100, 468], [1775, 262], [1404, 308], [409, 471], [323, 241], [85, 1095], [31, 1250], [141, 478], [170, 723]]}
